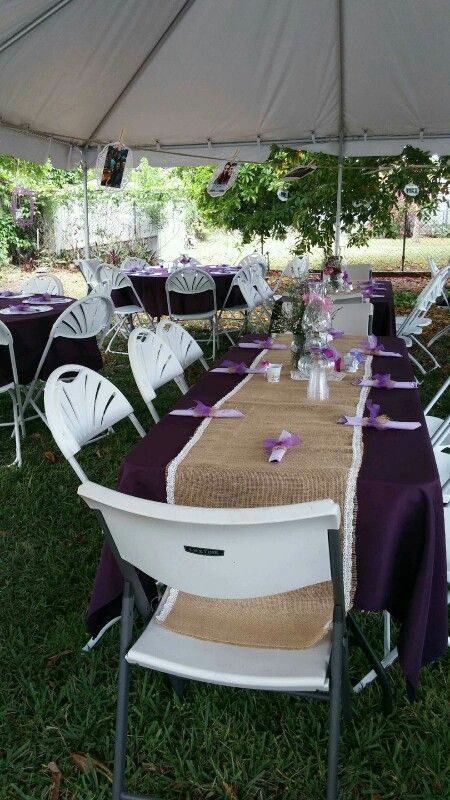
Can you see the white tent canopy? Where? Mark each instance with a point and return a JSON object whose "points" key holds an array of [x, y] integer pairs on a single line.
{"points": [[190, 81]]}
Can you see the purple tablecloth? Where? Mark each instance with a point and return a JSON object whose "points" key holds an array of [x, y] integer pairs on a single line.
{"points": [[152, 293], [30, 334], [384, 311], [400, 544]]}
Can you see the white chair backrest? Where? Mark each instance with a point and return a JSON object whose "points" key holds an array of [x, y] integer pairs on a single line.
{"points": [[152, 362], [224, 553], [134, 261], [88, 269], [354, 318], [359, 272], [81, 404], [6, 340], [255, 260], [181, 343], [247, 282], [190, 280], [84, 318], [184, 261], [265, 291], [434, 269], [111, 279], [44, 283]]}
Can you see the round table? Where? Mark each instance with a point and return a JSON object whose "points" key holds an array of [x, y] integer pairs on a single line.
{"points": [[150, 286], [30, 334]]}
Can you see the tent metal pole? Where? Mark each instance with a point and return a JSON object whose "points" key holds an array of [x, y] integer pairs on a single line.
{"points": [[86, 208], [340, 31], [34, 24], [337, 235]]}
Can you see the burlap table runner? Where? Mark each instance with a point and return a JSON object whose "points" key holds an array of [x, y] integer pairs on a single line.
{"points": [[225, 465]]}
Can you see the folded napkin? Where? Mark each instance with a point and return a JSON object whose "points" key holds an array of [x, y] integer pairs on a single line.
{"points": [[278, 447], [8, 293], [384, 381], [374, 420], [21, 308], [264, 344], [242, 369], [201, 410]]}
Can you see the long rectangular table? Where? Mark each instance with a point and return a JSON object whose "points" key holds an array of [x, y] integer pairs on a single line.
{"points": [[399, 532]]}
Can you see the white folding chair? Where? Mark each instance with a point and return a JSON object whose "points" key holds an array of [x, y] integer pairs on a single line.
{"points": [[45, 283], [88, 269], [84, 319], [12, 388], [181, 343], [411, 326], [297, 268], [112, 279], [182, 262], [359, 272], [153, 364], [443, 465], [354, 318], [435, 270], [261, 551], [134, 261], [435, 423], [194, 281], [255, 260], [80, 406]]}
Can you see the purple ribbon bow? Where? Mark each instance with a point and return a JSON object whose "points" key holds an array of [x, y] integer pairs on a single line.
{"points": [[383, 381], [284, 441], [374, 412], [239, 369], [7, 293], [330, 353], [20, 307], [201, 409], [371, 343]]}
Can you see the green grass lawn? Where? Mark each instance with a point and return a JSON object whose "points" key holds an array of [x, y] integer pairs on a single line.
{"points": [[56, 701]]}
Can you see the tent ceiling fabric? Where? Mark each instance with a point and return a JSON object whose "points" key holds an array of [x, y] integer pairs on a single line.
{"points": [[189, 81]]}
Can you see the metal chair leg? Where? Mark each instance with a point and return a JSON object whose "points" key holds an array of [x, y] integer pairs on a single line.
{"points": [[122, 697], [179, 685], [362, 642], [335, 710]]}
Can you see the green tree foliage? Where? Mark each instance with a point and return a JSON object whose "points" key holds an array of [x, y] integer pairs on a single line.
{"points": [[372, 188]]}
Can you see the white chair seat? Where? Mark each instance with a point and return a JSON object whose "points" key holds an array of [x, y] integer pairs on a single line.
{"points": [[433, 423], [163, 650], [198, 315], [131, 309], [7, 387]]}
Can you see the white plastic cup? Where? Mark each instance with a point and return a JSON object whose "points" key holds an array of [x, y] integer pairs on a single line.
{"points": [[273, 373]]}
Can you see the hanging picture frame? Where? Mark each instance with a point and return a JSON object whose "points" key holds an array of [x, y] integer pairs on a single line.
{"points": [[297, 173], [114, 166], [223, 178], [22, 206]]}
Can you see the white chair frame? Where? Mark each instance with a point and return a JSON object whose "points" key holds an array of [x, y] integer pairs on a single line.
{"points": [[191, 281], [359, 272], [84, 319], [13, 389], [114, 279], [182, 344], [88, 269], [153, 364], [354, 318], [263, 551], [45, 282]]}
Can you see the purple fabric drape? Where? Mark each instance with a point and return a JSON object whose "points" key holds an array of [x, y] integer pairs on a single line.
{"points": [[400, 545], [30, 334]]}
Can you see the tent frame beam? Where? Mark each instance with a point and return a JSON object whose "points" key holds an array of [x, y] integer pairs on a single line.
{"points": [[149, 57], [340, 39], [34, 24], [87, 248]]}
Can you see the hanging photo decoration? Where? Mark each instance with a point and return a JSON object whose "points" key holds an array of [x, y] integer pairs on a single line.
{"points": [[223, 179], [300, 172], [114, 166], [22, 206], [411, 190], [283, 194]]}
